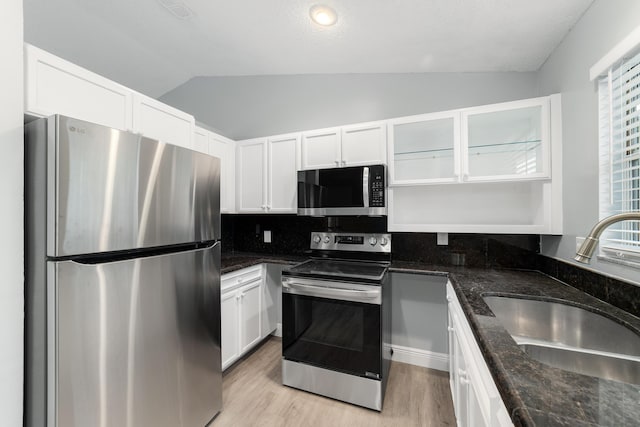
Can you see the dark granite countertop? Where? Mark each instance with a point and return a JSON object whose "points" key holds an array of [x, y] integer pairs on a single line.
{"points": [[236, 261], [534, 394]]}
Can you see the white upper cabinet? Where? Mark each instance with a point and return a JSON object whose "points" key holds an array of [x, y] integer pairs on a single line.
{"points": [[360, 144], [251, 175], [500, 173], [223, 148], [424, 149], [56, 86], [159, 121], [282, 183], [508, 141], [320, 149], [266, 174], [364, 144], [201, 140]]}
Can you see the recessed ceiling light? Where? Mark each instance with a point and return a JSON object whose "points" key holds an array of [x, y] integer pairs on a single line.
{"points": [[323, 15]]}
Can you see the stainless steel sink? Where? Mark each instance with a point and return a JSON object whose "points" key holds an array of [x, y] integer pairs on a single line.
{"points": [[570, 338], [586, 362]]}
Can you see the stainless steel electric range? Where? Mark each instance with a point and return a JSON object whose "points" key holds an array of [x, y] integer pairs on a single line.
{"points": [[336, 315]]}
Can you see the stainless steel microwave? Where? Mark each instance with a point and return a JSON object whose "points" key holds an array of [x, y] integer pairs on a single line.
{"points": [[356, 190]]}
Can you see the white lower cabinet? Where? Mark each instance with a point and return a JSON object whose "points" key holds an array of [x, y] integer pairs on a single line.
{"points": [[250, 304], [230, 327], [241, 312], [271, 298], [476, 401]]}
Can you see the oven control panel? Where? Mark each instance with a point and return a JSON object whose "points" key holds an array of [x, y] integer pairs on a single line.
{"points": [[360, 242]]}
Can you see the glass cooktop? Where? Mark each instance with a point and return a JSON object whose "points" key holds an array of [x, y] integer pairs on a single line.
{"points": [[370, 271]]}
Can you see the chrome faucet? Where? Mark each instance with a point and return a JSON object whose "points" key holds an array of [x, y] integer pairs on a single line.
{"points": [[589, 245]]}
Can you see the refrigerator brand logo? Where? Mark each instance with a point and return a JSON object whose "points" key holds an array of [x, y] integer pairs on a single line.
{"points": [[78, 130]]}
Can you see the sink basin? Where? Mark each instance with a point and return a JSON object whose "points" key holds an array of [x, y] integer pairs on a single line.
{"points": [[586, 362], [570, 338]]}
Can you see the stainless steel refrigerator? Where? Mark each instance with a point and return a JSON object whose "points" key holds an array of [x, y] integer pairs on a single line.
{"points": [[122, 279]]}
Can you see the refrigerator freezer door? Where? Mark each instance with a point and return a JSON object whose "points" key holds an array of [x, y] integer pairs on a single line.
{"points": [[137, 341], [118, 191]]}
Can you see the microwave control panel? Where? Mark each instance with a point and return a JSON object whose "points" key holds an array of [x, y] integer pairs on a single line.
{"points": [[376, 197]]}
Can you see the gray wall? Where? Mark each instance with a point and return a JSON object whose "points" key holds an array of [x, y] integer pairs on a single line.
{"points": [[604, 24], [245, 107], [419, 312]]}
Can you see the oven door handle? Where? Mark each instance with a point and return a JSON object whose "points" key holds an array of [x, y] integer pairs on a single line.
{"points": [[369, 296]]}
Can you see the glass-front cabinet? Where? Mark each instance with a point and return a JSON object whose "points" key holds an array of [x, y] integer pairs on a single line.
{"points": [[507, 141], [424, 149]]}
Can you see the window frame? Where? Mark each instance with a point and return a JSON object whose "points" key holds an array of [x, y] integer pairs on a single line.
{"points": [[619, 154]]}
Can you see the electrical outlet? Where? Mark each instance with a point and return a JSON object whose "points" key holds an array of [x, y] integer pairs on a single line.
{"points": [[443, 239], [579, 241], [267, 236]]}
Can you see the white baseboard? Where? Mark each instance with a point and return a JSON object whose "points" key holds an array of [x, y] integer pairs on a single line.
{"points": [[424, 358], [278, 331]]}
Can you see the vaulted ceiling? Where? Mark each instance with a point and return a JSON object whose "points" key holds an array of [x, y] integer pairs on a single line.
{"points": [[140, 44]]}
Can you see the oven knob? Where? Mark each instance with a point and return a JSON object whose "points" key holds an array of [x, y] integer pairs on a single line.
{"points": [[383, 241], [327, 239], [316, 239], [373, 241]]}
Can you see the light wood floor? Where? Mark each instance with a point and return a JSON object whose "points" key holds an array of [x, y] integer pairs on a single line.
{"points": [[253, 395]]}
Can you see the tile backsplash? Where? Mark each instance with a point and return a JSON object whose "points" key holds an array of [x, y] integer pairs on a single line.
{"points": [[291, 233], [616, 292]]}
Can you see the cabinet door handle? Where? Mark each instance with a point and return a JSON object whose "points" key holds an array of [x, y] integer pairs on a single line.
{"points": [[344, 163], [268, 207], [337, 162], [450, 329], [464, 380]]}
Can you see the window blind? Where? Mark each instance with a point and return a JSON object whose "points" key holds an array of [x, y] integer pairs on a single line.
{"points": [[619, 134]]}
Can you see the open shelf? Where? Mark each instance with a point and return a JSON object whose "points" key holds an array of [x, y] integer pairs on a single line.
{"points": [[506, 147], [499, 207], [424, 154]]}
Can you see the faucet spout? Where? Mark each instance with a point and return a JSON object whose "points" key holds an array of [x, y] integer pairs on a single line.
{"points": [[589, 245]]}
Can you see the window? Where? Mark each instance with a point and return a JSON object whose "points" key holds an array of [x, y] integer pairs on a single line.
{"points": [[619, 133]]}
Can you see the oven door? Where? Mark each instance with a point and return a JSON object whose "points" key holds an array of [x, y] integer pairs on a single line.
{"points": [[332, 325]]}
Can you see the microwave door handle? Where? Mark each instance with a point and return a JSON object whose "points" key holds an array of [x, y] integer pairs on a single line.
{"points": [[336, 293], [365, 186]]}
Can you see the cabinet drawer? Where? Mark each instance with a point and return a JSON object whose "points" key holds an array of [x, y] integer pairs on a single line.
{"points": [[238, 278]]}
